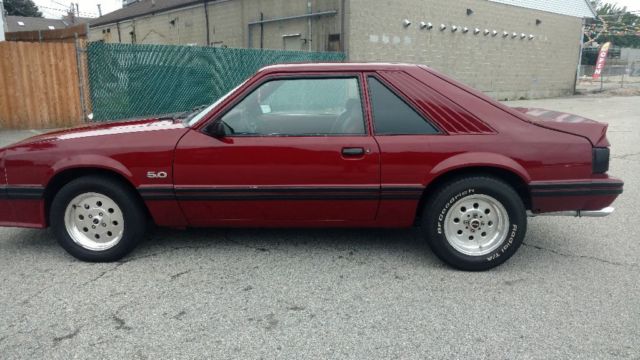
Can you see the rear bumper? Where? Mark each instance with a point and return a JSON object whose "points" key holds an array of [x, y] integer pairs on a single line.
{"points": [[577, 198]]}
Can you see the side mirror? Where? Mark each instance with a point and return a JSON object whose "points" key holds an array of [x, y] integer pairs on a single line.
{"points": [[217, 130]]}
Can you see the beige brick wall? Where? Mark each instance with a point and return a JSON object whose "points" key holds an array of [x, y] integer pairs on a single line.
{"points": [[184, 26], [176, 27], [321, 27], [228, 25], [505, 68]]}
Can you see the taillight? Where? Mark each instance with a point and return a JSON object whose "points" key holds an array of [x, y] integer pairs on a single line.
{"points": [[600, 161]]}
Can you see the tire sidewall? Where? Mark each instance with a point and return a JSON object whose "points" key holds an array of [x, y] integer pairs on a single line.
{"points": [[442, 205], [134, 220]]}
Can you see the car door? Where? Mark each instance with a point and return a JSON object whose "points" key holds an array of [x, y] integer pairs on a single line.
{"points": [[295, 151]]}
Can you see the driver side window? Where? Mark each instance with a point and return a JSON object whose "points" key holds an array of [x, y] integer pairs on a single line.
{"points": [[299, 107]]}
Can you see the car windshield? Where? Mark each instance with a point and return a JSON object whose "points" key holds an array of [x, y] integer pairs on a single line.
{"points": [[193, 119]]}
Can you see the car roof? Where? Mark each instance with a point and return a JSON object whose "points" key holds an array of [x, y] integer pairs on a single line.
{"points": [[349, 66]]}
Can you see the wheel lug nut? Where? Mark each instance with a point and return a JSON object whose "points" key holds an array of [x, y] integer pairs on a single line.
{"points": [[93, 226], [100, 214], [104, 225], [90, 216]]}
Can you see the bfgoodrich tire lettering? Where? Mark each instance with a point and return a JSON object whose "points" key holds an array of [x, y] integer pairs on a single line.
{"points": [[475, 223], [120, 220]]}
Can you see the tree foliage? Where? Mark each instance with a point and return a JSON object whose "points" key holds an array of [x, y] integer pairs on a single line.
{"points": [[21, 8], [615, 24]]}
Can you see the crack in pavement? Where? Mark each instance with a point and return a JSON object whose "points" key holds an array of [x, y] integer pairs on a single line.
{"points": [[177, 275], [605, 261], [121, 324], [125, 261], [38, 293], [104, 273], [626, 156], [57, 340], [257, 248], [179, 315]]}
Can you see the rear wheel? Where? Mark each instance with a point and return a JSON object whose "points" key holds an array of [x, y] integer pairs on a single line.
{"points": [[97, 219], [475, 223]]}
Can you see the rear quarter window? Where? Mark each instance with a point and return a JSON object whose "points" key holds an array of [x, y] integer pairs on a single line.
{"points": [[392, 115]]}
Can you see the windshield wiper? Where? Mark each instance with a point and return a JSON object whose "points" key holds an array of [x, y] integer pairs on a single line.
{"points": [[190, 114], [182, 114], [173, 116]]}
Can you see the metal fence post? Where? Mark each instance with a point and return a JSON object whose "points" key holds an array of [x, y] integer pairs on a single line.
{"points": [[80, 77], [577, 79]]}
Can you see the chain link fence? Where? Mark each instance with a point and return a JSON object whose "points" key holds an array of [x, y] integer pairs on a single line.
{"points": [[131, 80], [621, 71]]}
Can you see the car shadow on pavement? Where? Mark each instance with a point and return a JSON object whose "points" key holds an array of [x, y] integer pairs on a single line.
{"points": [[409, 245], [320, 242], [379, 243]]}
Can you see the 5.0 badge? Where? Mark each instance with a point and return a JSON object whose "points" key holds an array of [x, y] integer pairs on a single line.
{"points": [[156, 174]]}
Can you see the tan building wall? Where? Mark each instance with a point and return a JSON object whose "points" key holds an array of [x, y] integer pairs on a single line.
{"points": [[504, 68], [183, 26], [292, 34], [228, 25]]}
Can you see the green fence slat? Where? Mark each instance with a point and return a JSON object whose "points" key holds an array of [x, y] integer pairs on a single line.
{"points": [[133, 80]]}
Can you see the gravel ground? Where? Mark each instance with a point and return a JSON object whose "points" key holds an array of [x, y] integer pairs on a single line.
{"points": [[572, 291]]}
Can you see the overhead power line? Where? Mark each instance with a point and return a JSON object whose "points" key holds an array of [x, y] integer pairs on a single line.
{"points": [[65, 11]]}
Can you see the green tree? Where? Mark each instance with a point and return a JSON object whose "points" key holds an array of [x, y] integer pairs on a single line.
{"points": [[21, 8], [614, 24]]}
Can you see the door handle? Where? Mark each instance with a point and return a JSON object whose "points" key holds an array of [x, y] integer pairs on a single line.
{"points": [[352, 151]]}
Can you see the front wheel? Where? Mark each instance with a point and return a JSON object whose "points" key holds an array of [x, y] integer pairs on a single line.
{"points": [[475, 223], [97, 219]]}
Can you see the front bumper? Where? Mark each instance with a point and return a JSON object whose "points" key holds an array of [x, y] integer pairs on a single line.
{"points": [[22, 206]]}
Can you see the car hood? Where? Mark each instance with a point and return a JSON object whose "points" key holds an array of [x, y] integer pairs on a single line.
{"points": [[104, 129], [594, 131]]}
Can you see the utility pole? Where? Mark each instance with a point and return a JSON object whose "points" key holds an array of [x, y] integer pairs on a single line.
{"points": [[99, 10], [77, 10]]}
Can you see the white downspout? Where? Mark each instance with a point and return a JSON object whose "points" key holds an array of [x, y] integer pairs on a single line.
{"points": [[309, 34], [3, 25]]}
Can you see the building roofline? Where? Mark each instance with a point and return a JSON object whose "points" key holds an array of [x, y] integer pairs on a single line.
{"points": [[573, 8], [98, 22]]}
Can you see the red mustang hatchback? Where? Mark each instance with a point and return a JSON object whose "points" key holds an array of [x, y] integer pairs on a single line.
{"points": [[317, 145]]}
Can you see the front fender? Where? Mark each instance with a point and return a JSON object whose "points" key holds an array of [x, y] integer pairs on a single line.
{"points": [[91, 161]]}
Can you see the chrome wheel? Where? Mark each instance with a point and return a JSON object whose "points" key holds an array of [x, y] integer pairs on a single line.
{"points": [[476, 225], [94, 221]]}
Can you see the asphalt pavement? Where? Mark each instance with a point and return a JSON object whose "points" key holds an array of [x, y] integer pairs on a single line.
{"points": [[571, 292]]}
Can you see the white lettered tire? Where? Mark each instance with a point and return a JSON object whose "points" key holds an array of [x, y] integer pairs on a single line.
{"points": [[475, 223]]}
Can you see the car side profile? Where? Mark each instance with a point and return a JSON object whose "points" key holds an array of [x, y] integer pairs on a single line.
{"points": [[317, 145]]}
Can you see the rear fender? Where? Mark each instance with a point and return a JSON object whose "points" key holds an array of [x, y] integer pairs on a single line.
{"points": [[477, 159]]}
